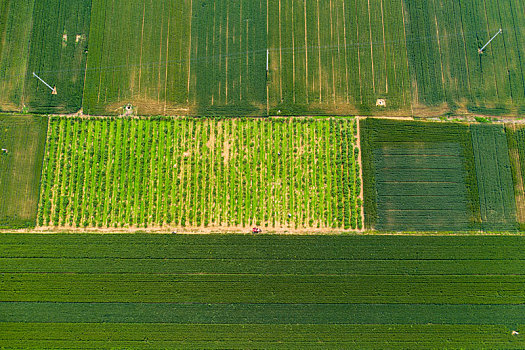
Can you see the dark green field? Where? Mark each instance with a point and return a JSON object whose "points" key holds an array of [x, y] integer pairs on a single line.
{"points": [[516, 144], [158, 291], [58, 55], [495, 183], [24, 138], [437, 176]]}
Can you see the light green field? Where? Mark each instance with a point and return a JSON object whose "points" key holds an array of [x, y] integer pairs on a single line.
{"points": [[201, 173]]}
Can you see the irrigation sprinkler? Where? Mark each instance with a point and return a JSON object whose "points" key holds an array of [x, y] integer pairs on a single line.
{"points": [[480, 51], [53, 89]]}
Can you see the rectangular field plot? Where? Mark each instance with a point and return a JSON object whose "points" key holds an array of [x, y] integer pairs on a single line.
{"points": [[261, 291], [22, 140], [337, 56], [16, 18], [186, 58], [419, 176], [516, 145], [198, 173], [446, 69], [497, 202], [297, 57], [433, 181], [59, 42]]}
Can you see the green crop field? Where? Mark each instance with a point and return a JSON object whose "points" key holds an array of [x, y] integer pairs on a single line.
{"points": [[333, 57], [15, 32], [419, 176], [495, 184], [275, 173], [191, 57], [516, 146], [242, 57], [439, 176], [23, 138], [57, 54], [443, 38], [337, 56], [236, 291]]}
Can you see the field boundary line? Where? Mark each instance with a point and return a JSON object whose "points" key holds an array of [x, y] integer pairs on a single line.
{"points": [[160, 53], [506, 55], [360, 174], [281, 56], [518, 186], [332, 54], [240, 46], [517, 41], [492, 56], [465, 49], [167, 59], [358, 54], [268, 53], [45, 165], [293, 55], [319, 49], [227, 48]]}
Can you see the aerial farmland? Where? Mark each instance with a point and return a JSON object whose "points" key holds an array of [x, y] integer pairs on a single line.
{"points": [[262, 174]]}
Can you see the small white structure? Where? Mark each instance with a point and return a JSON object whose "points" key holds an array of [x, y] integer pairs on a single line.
{"points": [[515, 333], [381, 102]]}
